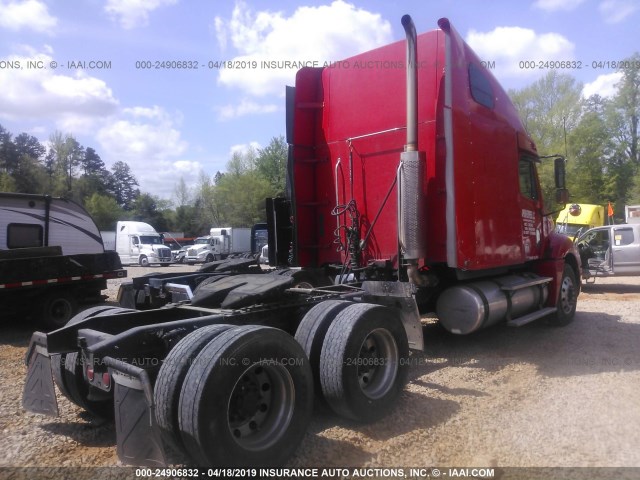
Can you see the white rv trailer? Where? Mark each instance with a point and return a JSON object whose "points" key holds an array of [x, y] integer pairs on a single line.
{"points": [[41, 221]]}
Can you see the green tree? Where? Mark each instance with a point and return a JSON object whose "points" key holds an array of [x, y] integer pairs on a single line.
{"points": [[68, 155], [241, 199], [8, 153], [550, 108], [28, 172], [589, 145], [623, 116], [123, 185], [272, 164], [104, 210], [149, 208]]}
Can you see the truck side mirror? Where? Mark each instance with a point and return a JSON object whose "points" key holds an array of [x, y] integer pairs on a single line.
{"points": [[562, 196], [559, 173]]}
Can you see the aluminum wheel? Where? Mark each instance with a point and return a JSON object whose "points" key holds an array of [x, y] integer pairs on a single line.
{"points": [[377, 363], [261, 405]]}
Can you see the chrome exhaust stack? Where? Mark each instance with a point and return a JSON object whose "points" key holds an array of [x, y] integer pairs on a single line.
{"points": [[411, 171]]}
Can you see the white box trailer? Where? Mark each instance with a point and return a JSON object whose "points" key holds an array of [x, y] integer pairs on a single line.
{"points": [[632, 213], [234, 240]]}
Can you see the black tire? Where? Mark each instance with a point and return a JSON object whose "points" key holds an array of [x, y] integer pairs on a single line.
{"points": [[364, 362], [57, 309], [171, 377], [243, 406], [76, 388], [312, 331], [144, 261], [58, 359], [567, 299]]}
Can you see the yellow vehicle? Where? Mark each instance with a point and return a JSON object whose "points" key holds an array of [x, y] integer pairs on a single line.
{"points": [[579, 217]]}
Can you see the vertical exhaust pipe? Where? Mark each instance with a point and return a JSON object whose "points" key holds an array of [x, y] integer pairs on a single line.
{"points": [[411, 171], [412, 84]]}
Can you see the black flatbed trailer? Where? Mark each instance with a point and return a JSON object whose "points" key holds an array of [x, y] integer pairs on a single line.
{"points": [[42, 282]]}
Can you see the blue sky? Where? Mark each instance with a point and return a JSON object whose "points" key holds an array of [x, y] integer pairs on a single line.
{"points": [[169, 123]]}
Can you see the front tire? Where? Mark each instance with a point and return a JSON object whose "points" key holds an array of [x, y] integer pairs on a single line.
{"points": [[364, 362], [247, 399], [144, 261], [567, 299]]}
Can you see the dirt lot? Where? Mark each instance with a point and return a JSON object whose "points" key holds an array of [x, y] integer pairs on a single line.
{"points": [[530, 397]]}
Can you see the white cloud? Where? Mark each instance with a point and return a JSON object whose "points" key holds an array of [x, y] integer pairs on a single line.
{"points": [[244, 147], [134, 13], [509, 46], [142, 134], [605, 85], [149, 140], [554, 5], [35, 91], [615, 11], [245, 107], [28, 14], [324, 33]]}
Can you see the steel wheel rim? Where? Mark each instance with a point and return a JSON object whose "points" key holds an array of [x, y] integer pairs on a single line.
{"points": [[567, 296], [60, 310], [377, 363], [261, 405]]}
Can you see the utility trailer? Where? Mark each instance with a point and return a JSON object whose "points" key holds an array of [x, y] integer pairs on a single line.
{"points": [[392, 212]]}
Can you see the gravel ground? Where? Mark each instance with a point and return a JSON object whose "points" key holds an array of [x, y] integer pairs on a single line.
{"points": [[529, 397]]}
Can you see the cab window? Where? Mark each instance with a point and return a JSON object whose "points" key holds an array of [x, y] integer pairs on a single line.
{"points": [[526, 173], [623, 236]]}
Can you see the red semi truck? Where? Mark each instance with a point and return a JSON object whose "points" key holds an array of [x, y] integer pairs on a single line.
{"points": [[413, 188]]}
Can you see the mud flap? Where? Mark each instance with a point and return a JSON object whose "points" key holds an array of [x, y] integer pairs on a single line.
{"points": [[137, 433], [398, 295], [39, 395]]}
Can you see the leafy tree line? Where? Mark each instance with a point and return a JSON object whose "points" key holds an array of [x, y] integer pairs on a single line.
{"points": [[65, 168], [599, 136]]}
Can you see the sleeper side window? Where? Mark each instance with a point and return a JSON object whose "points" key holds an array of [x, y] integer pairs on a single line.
{"points": [[480, 85]]}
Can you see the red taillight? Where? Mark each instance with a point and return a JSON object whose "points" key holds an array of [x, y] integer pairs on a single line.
{"points": [[106, 380], [90, 374]]}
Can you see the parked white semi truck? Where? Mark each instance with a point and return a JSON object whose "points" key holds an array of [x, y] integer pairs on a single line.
{"points": [[137, 243], [219, 244]]}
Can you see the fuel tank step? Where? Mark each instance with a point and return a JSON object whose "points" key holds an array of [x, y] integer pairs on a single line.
{"points": [[520, 321]]}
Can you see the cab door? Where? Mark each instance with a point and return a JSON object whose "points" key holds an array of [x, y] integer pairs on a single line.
{"points": [[530, 208], [626, 250], [596, 251]]}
